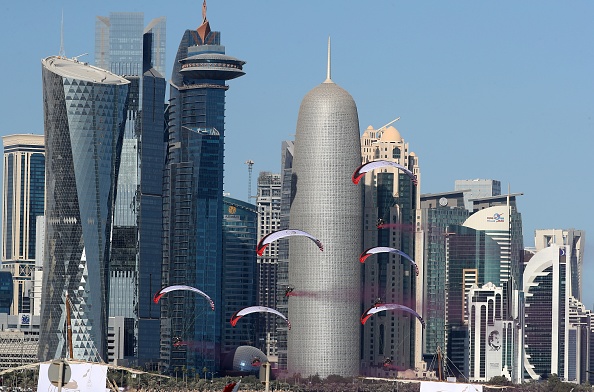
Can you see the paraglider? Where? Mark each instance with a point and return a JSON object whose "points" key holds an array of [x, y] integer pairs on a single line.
{"points": [[232, 387], [168, 289], [383, 307], [369, 166], [256, 309], [385, 249], [276, 235], [289, 291]]}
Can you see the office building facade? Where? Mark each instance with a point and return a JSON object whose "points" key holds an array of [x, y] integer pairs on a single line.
{"points": [[438, 212], [126, 48], [574, 242], [282, 278], [477, 188], [19, 340], [268, 201], [556, 326], [240, 280], [391, 202], [84, 120], [491, 339], [193, 194], [23, 200]]}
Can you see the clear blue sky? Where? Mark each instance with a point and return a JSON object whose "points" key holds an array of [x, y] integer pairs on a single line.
{"points": [[501, 90]]}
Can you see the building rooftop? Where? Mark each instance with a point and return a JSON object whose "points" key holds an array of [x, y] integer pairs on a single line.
{"points": [[72, 68]]}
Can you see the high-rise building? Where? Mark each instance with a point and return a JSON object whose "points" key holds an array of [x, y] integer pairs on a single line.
{"points": [[84, 120], [497, 219], [124, 47], [391, 202], [119, 43], [477, 188], [556, 325], [574, 242], [282, 279], [462, 250], [193, 195], [438, 212], [268, 201], [490, 337], [23, 200], [240, 283], [325, 327]]}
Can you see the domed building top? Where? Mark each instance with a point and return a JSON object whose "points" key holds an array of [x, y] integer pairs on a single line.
{"points": [[367, 131], [391, 134]]}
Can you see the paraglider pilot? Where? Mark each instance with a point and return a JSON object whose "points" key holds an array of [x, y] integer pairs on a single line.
{"points": [[288, 291]]}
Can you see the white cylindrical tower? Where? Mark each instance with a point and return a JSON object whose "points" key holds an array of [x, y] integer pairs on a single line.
{"points": [[325, 309]]}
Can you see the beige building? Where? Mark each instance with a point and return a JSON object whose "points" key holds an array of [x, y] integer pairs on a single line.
{"points": [[390, 216], [23, 200]]}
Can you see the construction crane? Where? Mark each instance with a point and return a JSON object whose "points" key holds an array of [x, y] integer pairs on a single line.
{"points": [[250, 164]]}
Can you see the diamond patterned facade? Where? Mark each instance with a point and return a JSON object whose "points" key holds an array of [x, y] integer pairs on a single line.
{"points": [[325, 329], [84, 118]]}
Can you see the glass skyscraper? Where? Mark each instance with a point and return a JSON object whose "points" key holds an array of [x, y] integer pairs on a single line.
{"points": [[193, 197], [23, 201], [124, 47], [84, 119], [240, 283], [438, 211]]}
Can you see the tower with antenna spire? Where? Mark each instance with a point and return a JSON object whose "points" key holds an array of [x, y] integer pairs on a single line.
{"points": [[193, 196], [62, 51], [325, 327]]}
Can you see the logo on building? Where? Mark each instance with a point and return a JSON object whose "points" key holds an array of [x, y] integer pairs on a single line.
{"points": [[24, 318], [496, 218]]}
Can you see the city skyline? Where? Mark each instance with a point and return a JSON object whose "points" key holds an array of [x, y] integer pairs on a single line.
{"points": [[458, 75]]}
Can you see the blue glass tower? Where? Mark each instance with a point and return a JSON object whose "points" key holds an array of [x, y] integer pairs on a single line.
{"points": [[240, 286], [193, 196], [6, 289], [124, 47], [84, 118]]}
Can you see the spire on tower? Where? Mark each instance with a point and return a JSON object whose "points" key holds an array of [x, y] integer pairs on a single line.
{"points": [[328, 79], [204, 28], [204, 11], [62, 53]]}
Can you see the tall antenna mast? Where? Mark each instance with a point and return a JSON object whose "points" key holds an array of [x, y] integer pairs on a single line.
{"points": [[250, 164], [328, 78], [62, 52]]}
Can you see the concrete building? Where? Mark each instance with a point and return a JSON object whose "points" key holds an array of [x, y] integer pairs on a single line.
{"points": [[476, 189], [19, 340], [391, 205], [84, 120], [325, 333], [23, 200], [491, 339], [268, 201]]}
